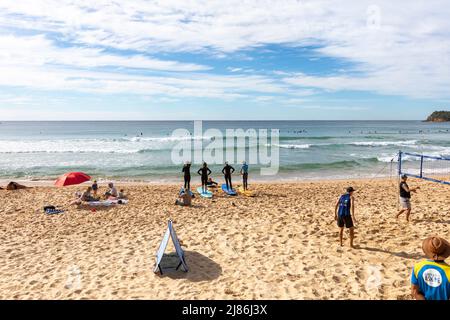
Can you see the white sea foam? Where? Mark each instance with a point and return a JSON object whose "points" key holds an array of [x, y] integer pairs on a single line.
{"points": [[384, 143], [291, 146], [117, 145]]}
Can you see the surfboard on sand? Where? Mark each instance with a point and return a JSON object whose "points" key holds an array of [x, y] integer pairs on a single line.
{"points": [[231, 192], [207, 194], [246, 193]]}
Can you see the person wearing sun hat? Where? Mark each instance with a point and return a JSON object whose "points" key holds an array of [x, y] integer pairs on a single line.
{"points": [[430, 278]]}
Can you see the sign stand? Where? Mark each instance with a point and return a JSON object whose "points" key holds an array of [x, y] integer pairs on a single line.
{"points": [[170, 233]]}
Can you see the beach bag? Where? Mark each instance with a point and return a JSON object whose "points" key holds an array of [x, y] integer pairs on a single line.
{"points": [[52, 210]]}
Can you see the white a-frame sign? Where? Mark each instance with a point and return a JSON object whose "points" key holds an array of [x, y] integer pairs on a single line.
{"points": [[170, 233]]}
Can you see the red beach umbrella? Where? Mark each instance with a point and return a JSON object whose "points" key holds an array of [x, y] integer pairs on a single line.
{"points": [[71, 178]]}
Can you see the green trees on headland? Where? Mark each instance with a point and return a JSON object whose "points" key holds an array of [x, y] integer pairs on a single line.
{"points": [[439, 116]]}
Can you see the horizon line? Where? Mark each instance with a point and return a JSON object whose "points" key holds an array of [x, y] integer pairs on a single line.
{"points": [[162, 120]]}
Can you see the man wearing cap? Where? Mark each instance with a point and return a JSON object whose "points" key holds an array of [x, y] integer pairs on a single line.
{"points": [[344, 214], [405, 197], [430, 279]]}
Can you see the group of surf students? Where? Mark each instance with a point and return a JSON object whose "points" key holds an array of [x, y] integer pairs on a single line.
{"points": [[205, 172], [206, 181]]}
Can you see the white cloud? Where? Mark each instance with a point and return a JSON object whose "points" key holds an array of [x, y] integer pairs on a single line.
{"points": [[334, 108], [39, 51], [15, 100], [394, 47], [35, 62], [193, 85], [44, 115]]}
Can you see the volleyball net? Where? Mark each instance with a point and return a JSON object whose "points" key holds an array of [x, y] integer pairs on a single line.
{"points": [[427, 167]]}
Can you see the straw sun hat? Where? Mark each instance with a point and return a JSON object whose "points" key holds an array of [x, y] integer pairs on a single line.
{"points": [[436, 248]]}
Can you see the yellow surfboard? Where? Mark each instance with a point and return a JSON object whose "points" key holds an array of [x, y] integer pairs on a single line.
{"points": [[246, 193]]}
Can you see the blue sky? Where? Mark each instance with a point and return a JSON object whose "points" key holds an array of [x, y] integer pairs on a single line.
{"points": [[287, 59]]}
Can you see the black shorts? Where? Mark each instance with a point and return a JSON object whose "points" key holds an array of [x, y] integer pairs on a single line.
{"points": [[346, 221]]}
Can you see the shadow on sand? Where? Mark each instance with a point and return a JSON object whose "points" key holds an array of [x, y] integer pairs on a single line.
{"points": [[434, 221], [201, 268], [401, 254]]}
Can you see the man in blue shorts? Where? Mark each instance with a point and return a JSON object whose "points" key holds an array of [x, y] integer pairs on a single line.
{"points": [[430, 278], [344, 214]]}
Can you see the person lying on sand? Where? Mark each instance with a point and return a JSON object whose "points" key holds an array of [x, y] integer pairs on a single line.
{"points": [[344, 214], [86, 196], [184, 199], [211, 184], [15, 186], [430, 278], [77, 200]]}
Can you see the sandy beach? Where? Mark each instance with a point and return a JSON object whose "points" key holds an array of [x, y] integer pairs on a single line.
{"points": [[280, 244]]}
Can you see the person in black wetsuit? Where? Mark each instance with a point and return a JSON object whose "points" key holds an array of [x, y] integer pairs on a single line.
{"points": [[204, 172], [187, 175], [227, 171]]}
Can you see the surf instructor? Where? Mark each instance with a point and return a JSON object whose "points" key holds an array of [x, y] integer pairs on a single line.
{"points": [[227, 172], [344, 214], [405, 197]]}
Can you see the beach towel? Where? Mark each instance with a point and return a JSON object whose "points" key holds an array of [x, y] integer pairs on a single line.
{"points": [[53, 211], [105, 203]]}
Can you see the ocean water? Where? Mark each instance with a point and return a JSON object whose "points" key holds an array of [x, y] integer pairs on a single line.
{"points": [[142, 150]]}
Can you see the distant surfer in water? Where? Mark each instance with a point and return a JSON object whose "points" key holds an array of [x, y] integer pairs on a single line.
{"points": [[227, 172], [204, 172], [344, 214], [244, 173], [187, 175]]}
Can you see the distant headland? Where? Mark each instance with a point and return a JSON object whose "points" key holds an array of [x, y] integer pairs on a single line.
{"points": [[439, 116]]}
